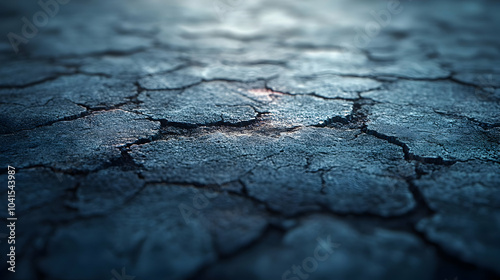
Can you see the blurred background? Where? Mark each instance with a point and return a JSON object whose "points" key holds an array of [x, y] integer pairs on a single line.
{"points": [[106, 211]]}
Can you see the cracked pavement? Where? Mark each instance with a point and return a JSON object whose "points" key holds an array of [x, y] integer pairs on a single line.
{"points": [[219, 139]]}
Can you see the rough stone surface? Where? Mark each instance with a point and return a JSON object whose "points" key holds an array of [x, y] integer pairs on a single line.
{"points": [[430, 134], [169, 81], [155, 240], [204, 104], [350, 249], [339, 174], [83, 144], [444, 97], [135, 65], [327, 86], [466, 199], [64, 98], [219, 139]]}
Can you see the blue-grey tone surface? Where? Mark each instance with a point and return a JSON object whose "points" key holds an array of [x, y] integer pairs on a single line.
{"points": [[251, 140]]}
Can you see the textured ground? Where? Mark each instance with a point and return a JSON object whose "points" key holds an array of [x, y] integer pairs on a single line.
{"points": [[220, 139]]}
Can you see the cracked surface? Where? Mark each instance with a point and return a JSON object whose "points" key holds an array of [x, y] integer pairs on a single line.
{"points": [[87, 143], [374, 251], [327, 86], [465, 198], [182, 140]]}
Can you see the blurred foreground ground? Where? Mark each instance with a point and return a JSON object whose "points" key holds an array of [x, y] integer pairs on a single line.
{"points": [[252, 139]]}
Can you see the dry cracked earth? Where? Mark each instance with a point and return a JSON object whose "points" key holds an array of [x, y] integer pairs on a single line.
{"points": [[230, 139]]}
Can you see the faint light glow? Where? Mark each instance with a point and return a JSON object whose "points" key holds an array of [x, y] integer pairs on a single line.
{"points": [[265, 95]]}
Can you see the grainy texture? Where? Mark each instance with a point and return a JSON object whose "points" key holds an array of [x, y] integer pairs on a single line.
{"points": [[222, 139]]}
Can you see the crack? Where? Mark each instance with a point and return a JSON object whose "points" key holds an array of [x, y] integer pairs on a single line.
{"points": [[112, 53], [483, 125], [221, 123], [222, 34], [246, 82], [270, 228], [257, 126], [48, 79], [89, 111], [400, 224], [482, 159], [312, 93], [378, 77], [323, 182], [358, 119], [68, 118], [55, 77], [263, 62], [70, 172], [96, 74], [175, 69], [150, 34], [470, 84], [406, 150], [422, 208]]}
